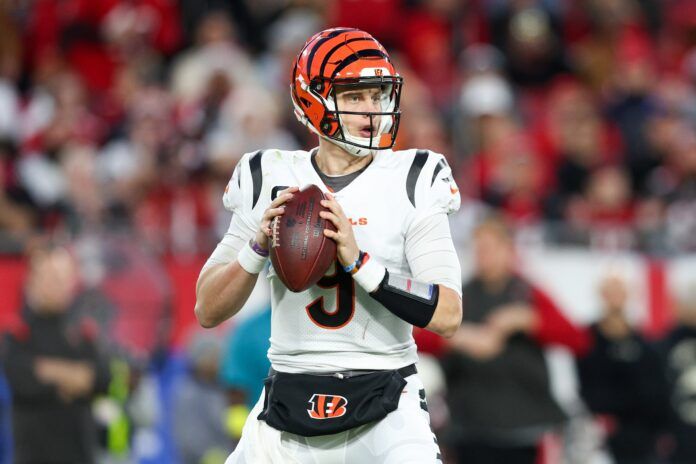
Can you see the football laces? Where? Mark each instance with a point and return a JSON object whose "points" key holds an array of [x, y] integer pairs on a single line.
{"points": [[275, 236]]}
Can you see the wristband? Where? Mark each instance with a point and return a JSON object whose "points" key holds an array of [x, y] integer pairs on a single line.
{"points": [[250, 260], [353, 268], [370, 274], [258, 249]]}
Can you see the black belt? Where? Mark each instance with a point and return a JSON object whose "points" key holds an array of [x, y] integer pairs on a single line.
{"points": [[405, 371]]}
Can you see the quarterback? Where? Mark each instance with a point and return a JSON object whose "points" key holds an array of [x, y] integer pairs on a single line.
{"points": [[343, 387]]}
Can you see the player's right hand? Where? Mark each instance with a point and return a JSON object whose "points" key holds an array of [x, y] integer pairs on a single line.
{"points": [[276, 208]]}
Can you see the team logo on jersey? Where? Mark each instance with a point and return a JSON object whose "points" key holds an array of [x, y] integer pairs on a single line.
{"points": [[327, 406]]}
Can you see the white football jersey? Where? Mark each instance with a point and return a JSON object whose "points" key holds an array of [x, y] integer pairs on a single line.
{"points": [[336, 325]]}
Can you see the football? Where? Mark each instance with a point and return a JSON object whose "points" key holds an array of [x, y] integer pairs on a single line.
{"points": [[300, 252]]}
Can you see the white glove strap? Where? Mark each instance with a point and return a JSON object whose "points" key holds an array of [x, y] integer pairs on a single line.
{"points": [[251, 261], [370, 275]]}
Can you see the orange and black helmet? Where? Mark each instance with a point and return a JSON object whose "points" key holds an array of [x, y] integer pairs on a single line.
{"points": [[339, 59]]}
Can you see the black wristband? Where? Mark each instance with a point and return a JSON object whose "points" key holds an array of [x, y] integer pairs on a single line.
{"points": [[408, 299]]}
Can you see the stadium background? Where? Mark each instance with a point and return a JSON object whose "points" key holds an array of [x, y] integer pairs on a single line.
{"points": [[121, 121]]}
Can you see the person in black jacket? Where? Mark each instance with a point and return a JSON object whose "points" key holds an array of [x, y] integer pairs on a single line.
{"points": [[620, 380], [678, 350], [53, 368], [499, 392]]}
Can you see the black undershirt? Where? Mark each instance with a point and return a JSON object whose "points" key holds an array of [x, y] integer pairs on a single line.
{"points": [[336, 183]]}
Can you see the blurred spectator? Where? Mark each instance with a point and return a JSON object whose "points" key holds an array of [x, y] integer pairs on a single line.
{"points": [[200, 404], [599, 31], [631, 105], [529, 34], [136, 316], [675, 184], [498, 383], [619, 380], [574, 140], [10, 116], [285, 36], [679, 357], [431, 34], [54, 368], [604, 215], [17, 211], [516, 185], [215, 57], [11, 49], [486, 94], [244, 365]]}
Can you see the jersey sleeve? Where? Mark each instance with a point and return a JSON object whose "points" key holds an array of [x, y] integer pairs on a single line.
{"points": [[242, 191], [238, 198], [429, 248], [235, 198]]}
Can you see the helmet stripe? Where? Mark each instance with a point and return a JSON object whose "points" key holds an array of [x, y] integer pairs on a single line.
{"points": [[333, 50], [356, 56], [317, 46]]}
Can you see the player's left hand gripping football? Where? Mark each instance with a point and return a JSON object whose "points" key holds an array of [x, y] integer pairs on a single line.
{"points": [[346, 247]]}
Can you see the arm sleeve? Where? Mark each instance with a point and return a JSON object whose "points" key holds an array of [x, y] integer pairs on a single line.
{"points": [[555, 328], [431, 255]]}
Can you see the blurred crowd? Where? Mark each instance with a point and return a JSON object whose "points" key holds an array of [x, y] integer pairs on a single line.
{"points": [[121, 122], [574, 119]]}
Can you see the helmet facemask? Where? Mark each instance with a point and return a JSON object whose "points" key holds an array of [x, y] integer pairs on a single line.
{"points": [[383, 125]]}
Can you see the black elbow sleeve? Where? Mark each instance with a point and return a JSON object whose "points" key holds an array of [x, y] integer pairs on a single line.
{"points": [[408, 299]]}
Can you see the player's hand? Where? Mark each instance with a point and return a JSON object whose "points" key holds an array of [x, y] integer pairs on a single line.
{"points": [[346, 246], [276, 208]]}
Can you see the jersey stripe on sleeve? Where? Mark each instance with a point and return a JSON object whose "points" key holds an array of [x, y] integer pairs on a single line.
{"points": [[418, 162]]}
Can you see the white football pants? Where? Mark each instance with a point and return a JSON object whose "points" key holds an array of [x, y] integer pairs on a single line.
{"points": [[404, 436]]}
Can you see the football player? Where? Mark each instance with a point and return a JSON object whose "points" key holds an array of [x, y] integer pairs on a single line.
{"points": [[343, 385]]}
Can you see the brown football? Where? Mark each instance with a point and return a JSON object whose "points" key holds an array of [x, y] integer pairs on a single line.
{"points": [[300, 252]]}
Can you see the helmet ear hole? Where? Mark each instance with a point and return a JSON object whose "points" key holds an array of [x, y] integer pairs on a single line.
{"points": [[325, 126], [317, 85]]}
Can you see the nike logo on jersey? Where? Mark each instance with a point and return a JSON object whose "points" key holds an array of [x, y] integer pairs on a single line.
{"points": [[450, 181], [327, 406]]}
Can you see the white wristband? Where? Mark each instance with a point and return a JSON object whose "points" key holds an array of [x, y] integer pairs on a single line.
{"points": [[370, 275], [251, 261]]}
